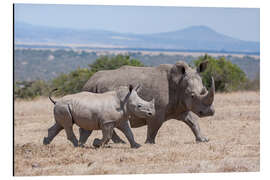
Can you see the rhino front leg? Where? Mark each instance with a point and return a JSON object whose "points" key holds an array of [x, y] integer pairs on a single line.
{"points": [[192, 122], [116, 138], [152, 130], [125, 128], [153, 126]]}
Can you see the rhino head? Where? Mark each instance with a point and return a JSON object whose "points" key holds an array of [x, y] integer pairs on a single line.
{"points": [[190, 92], [136, 106]]}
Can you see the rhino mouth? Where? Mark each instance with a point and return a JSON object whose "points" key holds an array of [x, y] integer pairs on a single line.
{"points": [[210, 112]]}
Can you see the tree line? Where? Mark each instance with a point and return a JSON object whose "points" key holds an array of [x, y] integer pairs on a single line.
{"points": [[228, 77], [47, 64]]}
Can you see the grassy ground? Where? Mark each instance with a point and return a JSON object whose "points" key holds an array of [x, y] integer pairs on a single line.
{"points": [[234, 145]]}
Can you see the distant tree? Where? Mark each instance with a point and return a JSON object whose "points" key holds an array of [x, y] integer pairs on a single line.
{"points": [[228, 77], [71, 82], [107, 63], [75, 80], [30, 90]]}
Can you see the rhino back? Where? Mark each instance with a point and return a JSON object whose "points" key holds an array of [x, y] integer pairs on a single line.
{"points": [[154, 81], [91, 110]]}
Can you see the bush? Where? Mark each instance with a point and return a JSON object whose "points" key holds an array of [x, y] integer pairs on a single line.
{"points": [[72, 82], [228, 77], [106, 63], [30, 90]]}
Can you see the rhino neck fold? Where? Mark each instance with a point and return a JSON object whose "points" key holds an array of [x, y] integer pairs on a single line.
{"points": [[176, 105], [124, 108]]}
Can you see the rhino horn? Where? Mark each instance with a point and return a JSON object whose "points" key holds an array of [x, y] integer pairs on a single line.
{"points": [[209, 97]]}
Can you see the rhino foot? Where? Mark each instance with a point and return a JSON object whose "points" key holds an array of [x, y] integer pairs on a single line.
{"points": [[136, 146], [46, 141], [97, 143], [202, 139], [81, 145], [149, 141], [119, 141]]}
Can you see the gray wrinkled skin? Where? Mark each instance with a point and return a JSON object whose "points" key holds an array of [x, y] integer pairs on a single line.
{"points": [[91, 111], [177, 89]]}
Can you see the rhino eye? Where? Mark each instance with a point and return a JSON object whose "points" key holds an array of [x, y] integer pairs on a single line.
{"points": [[192, 95], [139, 105]]}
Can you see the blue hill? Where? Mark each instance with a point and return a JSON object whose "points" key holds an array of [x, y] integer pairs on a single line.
{"points": [[192, 38]]}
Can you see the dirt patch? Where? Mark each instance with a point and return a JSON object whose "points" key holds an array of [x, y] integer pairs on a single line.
{"points": [[234, 145]]}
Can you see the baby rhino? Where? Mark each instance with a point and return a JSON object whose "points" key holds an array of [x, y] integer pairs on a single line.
{"points": [[92, 111]]}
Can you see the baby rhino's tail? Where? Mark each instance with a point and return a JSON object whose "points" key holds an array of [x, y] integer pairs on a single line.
{"points": [[53, 101]]}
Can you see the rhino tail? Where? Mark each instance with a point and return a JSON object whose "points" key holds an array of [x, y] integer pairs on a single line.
{"points": [[69, 109], [53, 101]]}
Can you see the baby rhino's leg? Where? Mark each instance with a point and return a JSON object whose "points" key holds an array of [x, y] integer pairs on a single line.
{"points": [[71, 136], [107, 131], [64, 117], [116, 138], [84, 134], [52, 132]]}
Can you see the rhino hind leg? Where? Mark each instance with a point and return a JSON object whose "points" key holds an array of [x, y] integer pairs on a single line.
{"points": [[71, 136], [116, 138], [52, 132], [63, 116], [107, 131], [84, 134]]}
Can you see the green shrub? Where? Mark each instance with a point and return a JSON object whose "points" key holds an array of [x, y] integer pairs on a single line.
{"points": [[107, 63], [71, 82], [228, 77], [30, 90], [75, 80]]}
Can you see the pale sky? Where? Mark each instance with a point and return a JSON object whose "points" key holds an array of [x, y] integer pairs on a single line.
{"points": [[241, 23]]}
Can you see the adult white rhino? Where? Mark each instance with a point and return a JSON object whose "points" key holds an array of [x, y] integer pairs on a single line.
{"points": [[178, 90]]}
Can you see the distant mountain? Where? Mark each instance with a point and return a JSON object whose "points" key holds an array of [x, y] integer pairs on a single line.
{"points": [[191, 38]]}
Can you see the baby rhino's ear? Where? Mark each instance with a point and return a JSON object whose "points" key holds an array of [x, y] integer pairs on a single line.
{"points": [[130, 88]]}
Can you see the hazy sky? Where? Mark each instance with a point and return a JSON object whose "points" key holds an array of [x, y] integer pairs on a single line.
{"points": [[241, 23]]}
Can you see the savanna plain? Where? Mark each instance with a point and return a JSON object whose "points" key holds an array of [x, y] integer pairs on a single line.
{"points": [[233, 132]]}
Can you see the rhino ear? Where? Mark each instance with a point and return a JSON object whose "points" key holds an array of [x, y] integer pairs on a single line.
{"points": [[177, 71], [202, 66], [130, 87]]}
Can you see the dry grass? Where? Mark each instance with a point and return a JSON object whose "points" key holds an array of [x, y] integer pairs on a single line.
{"points": [[234, 144]]}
